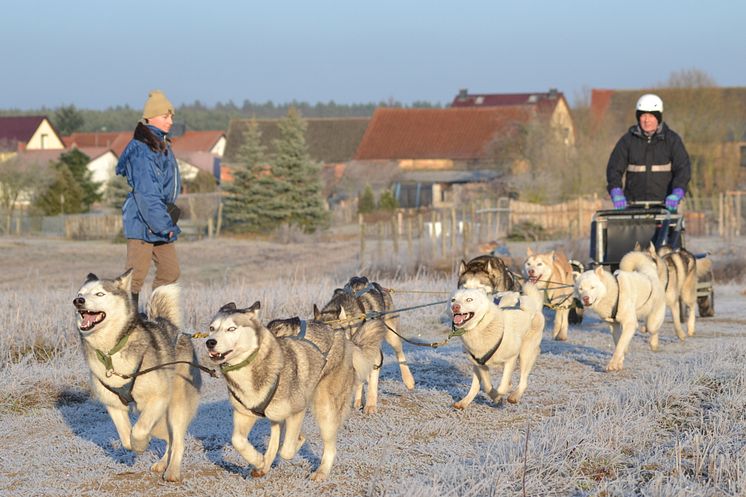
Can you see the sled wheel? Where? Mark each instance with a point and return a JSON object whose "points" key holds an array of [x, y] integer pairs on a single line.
{"points": [[707, 305]]}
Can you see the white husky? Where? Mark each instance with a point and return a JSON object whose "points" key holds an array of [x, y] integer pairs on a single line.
{"points": [[503, 333], [631, 294]]}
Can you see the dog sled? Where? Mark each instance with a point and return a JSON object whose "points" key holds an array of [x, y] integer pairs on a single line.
{"points": [[615, 232]]}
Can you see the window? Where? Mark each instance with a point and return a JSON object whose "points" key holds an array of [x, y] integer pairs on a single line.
{"points": [[44, 140], [743, 155]]}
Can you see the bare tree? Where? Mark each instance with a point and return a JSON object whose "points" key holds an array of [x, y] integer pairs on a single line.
{"points": [[17, 182], [689, 78]]}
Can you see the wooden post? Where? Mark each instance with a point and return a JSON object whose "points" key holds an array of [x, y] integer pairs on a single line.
{"points": [[409, 237], [209, 227], [721, 226], [453, 231], [362, 240], [433, 234], [395, 233], [220, 219]]}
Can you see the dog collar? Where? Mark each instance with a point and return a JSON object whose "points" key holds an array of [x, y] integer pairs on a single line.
{"points": [[225, 367], [105, 357]]}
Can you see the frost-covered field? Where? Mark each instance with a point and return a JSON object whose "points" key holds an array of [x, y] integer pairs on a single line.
{"points": [[671, 424]]}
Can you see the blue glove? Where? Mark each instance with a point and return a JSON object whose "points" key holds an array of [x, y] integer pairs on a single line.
{"points": [[672, 201], [618, 198]]}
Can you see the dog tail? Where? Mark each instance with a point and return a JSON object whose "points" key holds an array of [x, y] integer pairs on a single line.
{"points": [[164, 304], [533, 299], [638, 262], [366, 348]]}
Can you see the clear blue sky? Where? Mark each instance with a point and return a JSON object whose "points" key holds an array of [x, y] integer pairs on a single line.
{"points": [[96, 54]]}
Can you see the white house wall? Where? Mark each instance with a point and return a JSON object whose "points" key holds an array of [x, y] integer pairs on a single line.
{"points": [[102, 169], [219, 147], [45, 138]]}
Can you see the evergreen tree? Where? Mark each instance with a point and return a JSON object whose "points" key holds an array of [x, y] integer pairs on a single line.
{"points": [[249, 203], [68, 120], [387, 201], [299, 176], [77, 163], [116, 191], [63, 195], [366, 201]]}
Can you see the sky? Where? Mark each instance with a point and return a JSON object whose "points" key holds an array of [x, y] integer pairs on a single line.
{"points": [[95, 54]]}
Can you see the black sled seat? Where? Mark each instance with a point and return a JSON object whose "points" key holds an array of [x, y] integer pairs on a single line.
{"points": [[615, 232]]}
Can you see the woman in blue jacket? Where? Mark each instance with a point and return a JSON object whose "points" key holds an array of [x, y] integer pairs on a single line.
{"points": [[149, 213]]}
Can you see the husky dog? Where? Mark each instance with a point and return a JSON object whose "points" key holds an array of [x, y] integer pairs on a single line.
{"points": [[488, 272], [631, 294], [552, 273], [120, 346], [271, 377], [348, 364], [677, 271], [349, 305], [493, 334]]}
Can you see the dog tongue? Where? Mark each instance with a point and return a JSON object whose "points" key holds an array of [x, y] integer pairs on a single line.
{"points": [[89, 319], [458, 319]]}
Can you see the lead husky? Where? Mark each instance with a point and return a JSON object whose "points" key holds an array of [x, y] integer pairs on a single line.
{"points": [[117, 343], [632, 293], [553, 273], [348, 306], [493, 334], [271, 377]]}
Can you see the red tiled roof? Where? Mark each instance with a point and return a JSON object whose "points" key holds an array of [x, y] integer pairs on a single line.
{"points": [[115, 140], [452, 133], [19, 128], [196, 141]]}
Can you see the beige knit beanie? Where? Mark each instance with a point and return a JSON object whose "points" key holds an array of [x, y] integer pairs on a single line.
{"points": [[157, 105]]}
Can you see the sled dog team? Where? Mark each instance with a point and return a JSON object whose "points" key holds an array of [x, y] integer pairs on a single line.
{"points": [[278, 370]]}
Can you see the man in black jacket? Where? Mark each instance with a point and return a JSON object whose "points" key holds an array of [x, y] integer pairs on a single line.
{"points": [[652, 160]]}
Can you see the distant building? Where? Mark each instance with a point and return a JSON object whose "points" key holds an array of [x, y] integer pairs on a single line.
{"points": [[19, 133]]}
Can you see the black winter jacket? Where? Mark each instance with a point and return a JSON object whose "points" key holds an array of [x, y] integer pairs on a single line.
{"points": [[654, 165]]}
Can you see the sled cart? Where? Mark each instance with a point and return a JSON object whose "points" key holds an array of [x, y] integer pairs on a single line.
{"points": [[615, 232]]}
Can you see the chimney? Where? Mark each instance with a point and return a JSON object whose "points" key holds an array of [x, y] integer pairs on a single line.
{"points": [[553, 92], [463, 93]]}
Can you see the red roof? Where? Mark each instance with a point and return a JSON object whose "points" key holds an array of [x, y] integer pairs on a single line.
{"points": [[459, 134], [114, 140], [196, 141], [15, 129]]}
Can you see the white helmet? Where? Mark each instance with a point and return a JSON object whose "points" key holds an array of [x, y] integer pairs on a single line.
{"points": [[650, 103]]}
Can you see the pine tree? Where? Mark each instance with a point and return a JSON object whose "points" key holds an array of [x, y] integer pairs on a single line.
{"points": [[63, 196], [366, 201], [387, 201], [250, 202], [116, 191], [77, 163], [299, 180]]}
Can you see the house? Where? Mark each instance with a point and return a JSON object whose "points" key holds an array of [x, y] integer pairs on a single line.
{"points": [[550, 106], [19, 133], [116, 141], [710, 120]]}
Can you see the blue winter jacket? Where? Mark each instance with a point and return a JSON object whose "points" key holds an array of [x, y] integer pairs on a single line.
{"points": [[155, 181]]}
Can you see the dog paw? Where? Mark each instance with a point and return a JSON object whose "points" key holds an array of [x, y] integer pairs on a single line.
{"points": [[409, 383], [258, 473], [159, 467], [614, 366], [318, 476], [172, 476], [139, 444], [459, 405], [514, 398], [370, 410]]}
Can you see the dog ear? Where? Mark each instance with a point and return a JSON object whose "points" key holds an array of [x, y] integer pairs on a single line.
{"points": [[651, 249], [230, 306], [124, 281], [529, 252], [91, 277], [254, 309], [316, 313], [342, 313], [599, 271], [461, 267]]}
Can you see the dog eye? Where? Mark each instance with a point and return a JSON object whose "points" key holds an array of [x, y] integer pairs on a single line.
{"points": [[100, 294], [469, 299], [212, 328], [232, 328]]}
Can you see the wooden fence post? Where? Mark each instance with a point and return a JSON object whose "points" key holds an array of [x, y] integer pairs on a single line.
{"points": [[362, 240]]}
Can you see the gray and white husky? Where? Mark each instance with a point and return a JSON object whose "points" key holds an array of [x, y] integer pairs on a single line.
{"points": [[346, 310], [273, 378], [120, 346]]}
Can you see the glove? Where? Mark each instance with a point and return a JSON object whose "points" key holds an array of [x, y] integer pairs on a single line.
{"points": [[618, 198], [672, 201]]}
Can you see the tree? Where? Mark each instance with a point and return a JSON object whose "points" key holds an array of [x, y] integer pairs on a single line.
{"points": [[63, 195], [77, 162], [116, 191], [299, 176], [68, 120], [249, 203], [16, 181], [387, 201], [366, 201]]}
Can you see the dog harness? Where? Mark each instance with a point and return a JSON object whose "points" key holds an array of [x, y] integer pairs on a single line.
{"points": [[259, 409]]}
